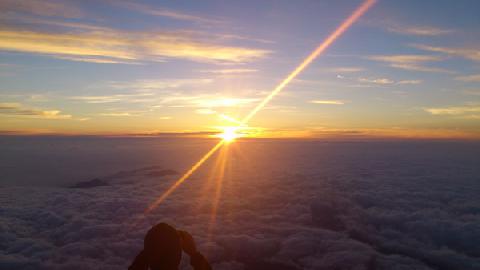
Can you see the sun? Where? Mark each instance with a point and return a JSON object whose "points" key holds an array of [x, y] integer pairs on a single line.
{"points": [[229, 134]]}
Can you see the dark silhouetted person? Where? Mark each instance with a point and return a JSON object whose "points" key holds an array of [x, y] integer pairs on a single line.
{"points": [[162, 250]]}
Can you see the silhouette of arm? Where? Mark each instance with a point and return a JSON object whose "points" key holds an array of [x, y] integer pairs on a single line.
{"points": [[140, 262], [197, 260]]}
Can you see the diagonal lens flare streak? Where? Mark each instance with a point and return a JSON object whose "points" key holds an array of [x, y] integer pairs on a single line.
{"points": [[321, 48], [183, 178], [364, 7]]}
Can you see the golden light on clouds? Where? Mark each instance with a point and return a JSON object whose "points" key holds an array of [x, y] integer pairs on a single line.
{"points": [[328, 102], [124, 47], [466, 110]]}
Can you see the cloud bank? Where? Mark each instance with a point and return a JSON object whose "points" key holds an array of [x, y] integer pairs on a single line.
{"points": [[368, 206]]}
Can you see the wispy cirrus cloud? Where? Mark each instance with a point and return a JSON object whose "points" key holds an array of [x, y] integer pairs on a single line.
{"points": [[376, 80], [466, 111], [409, 82], [386, 81], [23, 31], [346, 69], [64, 9], [419, 30], [158, 84], [168, 13], [18, 110], [207, 101], [472, 92], [165, 93], [467, 53], [98, 60], [117, 114], [205, 111], [327, 102], [413, 62], [230, 71], [97, 99], [469, 78], [123, 46], [11, 20], [225, 102]]}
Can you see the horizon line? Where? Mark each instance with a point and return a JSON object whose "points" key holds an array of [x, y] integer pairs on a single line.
{"points": [[212, 135]]}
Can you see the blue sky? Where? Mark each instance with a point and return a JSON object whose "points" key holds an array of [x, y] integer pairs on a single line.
{"points": [[406, 68]]}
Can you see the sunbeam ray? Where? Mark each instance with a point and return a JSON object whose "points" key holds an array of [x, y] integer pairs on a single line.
{"points": [[184, 177], [218, 190], [364, 7]]}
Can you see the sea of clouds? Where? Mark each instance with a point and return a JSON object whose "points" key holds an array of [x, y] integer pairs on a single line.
{"points": [[282, 205]]}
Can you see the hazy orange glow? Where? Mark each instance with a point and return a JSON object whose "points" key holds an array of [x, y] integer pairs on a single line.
{"points": [[230, 134], [231, 119]]}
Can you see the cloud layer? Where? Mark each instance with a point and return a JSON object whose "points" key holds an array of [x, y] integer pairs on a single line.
{"points": [[368, 206]]}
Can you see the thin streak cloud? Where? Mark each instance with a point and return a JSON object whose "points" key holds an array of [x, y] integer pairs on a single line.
{"points": [[469, 78], [111, 98], [346, 69], [328, 102], [230, 71], [419, 30], [158, 84], [381, 81], [117, 114], [469, 111], [18, 110], [413, 62], [409, 82], [470, 54], [168, 13]]}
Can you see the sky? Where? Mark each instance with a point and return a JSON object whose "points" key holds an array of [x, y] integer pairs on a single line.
{"points": [[405, 69]]}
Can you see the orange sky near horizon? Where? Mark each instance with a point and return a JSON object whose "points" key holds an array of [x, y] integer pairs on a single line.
{"points": [[172, 70]]}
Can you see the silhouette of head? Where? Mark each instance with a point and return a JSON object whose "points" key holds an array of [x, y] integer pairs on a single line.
{"points": [[162, 247]]}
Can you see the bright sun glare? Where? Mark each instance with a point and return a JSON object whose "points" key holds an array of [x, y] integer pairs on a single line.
{"points": [[229, 134]]}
